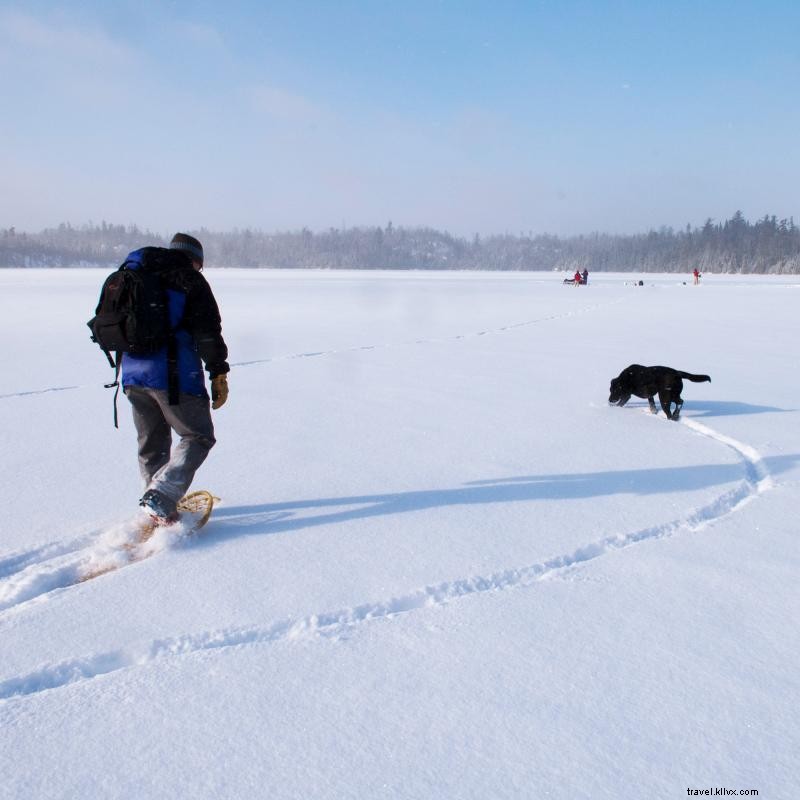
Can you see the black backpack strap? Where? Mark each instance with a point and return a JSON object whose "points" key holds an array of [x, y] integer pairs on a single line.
{"points": [[116, 383], [110, 359], [173, 262], [173, 383]]}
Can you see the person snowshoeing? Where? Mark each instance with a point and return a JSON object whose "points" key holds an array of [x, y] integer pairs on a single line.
{"points": [[167, 390]]}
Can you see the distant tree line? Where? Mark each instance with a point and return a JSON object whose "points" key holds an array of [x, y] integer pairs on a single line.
{"points": [[734, 245]]}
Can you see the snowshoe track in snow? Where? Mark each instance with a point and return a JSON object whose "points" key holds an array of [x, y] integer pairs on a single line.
{"points": [[17, 561], [337, 623], [31, 575]]}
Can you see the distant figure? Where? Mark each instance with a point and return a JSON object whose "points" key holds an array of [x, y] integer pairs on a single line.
{"points": [[576, 278], [696, 276], [585, 276]]}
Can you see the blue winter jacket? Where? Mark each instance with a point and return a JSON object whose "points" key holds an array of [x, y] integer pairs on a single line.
{"points": [[194, 316]]}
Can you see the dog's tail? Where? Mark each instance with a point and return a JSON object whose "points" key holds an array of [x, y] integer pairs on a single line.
{"points": [[694, 378]]}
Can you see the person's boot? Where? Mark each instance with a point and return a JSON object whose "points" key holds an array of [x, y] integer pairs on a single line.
{"points": [[159, 507]]}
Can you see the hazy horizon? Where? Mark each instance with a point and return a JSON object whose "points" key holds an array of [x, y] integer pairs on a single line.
{"points": [[518, 117], [168, 232]]}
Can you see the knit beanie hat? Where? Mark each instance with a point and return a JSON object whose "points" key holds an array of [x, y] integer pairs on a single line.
{"points": [[190, 245]]}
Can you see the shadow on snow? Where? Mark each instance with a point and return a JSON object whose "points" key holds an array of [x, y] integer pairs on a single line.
{"points": [[716, 408], [280, 517]]}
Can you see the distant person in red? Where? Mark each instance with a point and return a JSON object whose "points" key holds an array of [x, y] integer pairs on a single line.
{"points": [[576, 278], [696, 275]]}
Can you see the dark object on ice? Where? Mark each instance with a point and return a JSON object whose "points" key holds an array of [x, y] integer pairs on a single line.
{"points": [[647, 382]]}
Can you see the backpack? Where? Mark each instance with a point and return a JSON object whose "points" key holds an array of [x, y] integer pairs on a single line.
{"points": [[132, 315]]}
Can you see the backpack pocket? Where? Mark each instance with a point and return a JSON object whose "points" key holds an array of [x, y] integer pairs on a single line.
{"points": [[109, 330]]}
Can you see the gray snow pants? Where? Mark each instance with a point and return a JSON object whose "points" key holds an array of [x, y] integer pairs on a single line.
{"points": [[166, 470]]}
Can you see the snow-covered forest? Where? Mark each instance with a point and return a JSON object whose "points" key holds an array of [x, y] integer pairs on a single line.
{"points": [[735, 245]]}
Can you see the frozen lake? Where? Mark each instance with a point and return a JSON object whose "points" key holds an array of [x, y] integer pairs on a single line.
{"points": [[443, 566]]}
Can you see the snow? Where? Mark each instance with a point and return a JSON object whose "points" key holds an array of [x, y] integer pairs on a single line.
{"points": [[443, 566]]}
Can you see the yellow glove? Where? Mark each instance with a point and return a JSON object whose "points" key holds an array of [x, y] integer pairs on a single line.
{"points": [[219, 391]]}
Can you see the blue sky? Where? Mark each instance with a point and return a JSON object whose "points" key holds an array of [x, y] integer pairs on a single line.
{"points": [[487, 117]]}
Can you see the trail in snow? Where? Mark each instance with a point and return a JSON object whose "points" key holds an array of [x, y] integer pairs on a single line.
{"points": [[336, 623], [40, 391], [14, 562], [27, 578], [383, 346], [432, 340], [754, 463]]}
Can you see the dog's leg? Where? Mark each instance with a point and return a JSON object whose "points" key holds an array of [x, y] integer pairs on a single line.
{"points": [[652, 403], [675, 396], [665, 397]]}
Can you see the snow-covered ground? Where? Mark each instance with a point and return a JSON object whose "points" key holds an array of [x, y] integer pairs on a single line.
{"points": [[443, 566]]}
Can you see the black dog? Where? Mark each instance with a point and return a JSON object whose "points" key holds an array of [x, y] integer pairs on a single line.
{"points": [[650, 381]]}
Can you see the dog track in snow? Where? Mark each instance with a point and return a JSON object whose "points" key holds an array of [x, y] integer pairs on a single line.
{"points": [[758, 476], [337, 623]]}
